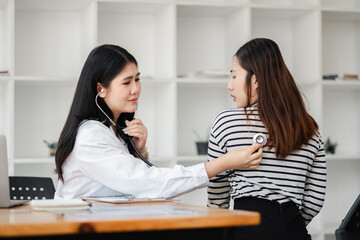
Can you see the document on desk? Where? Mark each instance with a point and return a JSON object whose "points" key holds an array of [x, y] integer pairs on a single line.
{"points": [[127, 199], [59, 205], [126, 211]]}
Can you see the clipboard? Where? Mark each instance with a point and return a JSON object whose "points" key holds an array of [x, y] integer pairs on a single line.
{"points": [[127, 199]]}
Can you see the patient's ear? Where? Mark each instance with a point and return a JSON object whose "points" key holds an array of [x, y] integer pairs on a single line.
{"points": [[254, 87], [254, 81]]}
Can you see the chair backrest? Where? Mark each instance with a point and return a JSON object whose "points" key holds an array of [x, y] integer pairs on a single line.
{"points": [[349, 228], [28, 188]]}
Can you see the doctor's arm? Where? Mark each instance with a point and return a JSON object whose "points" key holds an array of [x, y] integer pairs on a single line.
{"points": [[239, 158], [101, 158], [243, 157]]}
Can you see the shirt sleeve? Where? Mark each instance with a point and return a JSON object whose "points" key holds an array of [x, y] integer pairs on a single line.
{"points": [[103, 158], [218, 191], [315, 186]]}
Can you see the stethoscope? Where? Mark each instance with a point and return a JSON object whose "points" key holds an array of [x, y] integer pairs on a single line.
{"points": [[258, 138], [119, 130]]}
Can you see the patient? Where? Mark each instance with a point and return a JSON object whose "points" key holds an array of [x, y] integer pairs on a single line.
{"points": [[288, 187]]}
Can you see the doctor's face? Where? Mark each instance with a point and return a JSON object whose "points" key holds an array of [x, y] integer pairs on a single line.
{"points": [[124, 91], [237, 85]]}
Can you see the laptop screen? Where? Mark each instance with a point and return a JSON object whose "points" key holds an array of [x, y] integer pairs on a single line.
{"points": [[4, 174]]}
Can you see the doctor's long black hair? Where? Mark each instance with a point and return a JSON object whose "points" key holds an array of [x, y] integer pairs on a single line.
{"points": [[103, 64]]}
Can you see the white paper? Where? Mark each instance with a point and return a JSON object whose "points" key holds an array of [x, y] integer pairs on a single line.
{"points": [[126, 199]]}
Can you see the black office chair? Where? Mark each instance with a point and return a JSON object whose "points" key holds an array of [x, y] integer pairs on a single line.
{"points": [[350, 226], [28, 188]]}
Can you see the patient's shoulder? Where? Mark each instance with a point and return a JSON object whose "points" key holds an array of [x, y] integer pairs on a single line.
{"points": [[234, 115]]}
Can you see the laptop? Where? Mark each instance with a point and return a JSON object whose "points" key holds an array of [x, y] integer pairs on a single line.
{"points": [[350, 225], [5, 201]]}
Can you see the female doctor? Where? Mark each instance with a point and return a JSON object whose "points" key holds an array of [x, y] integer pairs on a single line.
{"points": [[95, 158]]}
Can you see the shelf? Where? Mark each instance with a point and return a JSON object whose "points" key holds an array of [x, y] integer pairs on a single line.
{"points": [[163, 161], [149, 81], [154, 82], [279, 13], [45, 5], [216, 3], [40, 160], [342, 157], [161, 158], [187, 158], [308, 83], [192, 158], [31, 78], [132, 7], [283, 8], [341, 84], [198, 9], [45, 81], [329, 157], [350, 15], [203, 81], [342, 13], [343, 5], [49, 80], [284, 4]]}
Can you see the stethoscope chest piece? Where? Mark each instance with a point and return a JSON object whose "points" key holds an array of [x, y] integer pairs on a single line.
{"points": [[260, 138]]}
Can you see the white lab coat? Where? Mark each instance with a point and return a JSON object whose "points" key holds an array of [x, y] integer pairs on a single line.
{"points": [[101, 165]]}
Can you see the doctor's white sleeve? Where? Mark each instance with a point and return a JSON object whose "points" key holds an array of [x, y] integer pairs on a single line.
{"points": [[104, 160]]}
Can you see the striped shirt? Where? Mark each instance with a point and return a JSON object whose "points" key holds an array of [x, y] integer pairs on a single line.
{"points": [[300, 177]]}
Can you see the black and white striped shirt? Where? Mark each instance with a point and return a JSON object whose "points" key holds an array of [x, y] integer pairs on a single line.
{"points": [[300, 177]]}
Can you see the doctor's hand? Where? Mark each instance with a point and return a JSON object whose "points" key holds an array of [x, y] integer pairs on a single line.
{"points": [[138, 131], [245, 157], [242, 157]]}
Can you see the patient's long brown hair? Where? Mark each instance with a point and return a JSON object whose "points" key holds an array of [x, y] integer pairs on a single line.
{"points": [[280, 105]]}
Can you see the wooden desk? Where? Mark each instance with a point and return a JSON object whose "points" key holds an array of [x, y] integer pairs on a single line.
{"points": [[120, 218]]}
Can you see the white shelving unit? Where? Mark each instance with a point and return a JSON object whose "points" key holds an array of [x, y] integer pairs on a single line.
{"points": [[341, 107], [43, 46]]}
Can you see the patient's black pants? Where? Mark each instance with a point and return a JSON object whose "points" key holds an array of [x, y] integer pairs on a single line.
{"points": [[278, 221]]}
